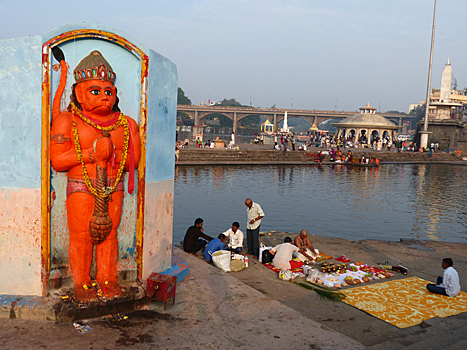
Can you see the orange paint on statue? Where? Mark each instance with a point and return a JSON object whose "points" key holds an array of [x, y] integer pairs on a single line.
{"points": [[97, 98]]}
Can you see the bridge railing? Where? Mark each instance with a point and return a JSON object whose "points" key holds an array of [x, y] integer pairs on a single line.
{"points": [[261, 109]]}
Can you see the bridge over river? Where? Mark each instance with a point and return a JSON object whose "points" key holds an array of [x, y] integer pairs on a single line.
{"points": [[236, 114]]}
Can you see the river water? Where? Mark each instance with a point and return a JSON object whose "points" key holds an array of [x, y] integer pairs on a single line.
{"points": [[387, 203]]}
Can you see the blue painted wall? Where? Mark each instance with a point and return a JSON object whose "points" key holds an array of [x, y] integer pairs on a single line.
{"points": [[162, 103], [20, 112]]}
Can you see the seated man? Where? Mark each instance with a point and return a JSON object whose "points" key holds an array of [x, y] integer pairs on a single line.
{"points": [[283, 254], [215, 245], [235, 237], [448, 284], [193, 242], [303, 241]]}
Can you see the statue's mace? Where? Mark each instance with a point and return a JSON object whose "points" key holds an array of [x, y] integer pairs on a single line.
{"points": [[100, 225]]}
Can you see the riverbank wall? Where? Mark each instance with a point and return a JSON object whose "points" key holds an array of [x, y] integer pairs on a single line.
{"points": [[259, 155]]}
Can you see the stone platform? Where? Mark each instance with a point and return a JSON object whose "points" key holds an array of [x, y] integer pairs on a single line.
{"points": [[57, 308]]}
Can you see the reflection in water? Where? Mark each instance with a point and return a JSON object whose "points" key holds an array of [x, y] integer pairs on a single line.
{"points": [[392, 202]]}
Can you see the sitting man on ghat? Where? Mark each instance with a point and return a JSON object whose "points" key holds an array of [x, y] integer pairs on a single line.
{"points": [[303, 241], [235, 237], [195, 238], [283, 254], [447, 285], [215, 245]]}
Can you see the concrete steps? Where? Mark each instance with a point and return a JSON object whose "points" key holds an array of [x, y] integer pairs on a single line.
{"points": [[223, 156], [416, 338]]}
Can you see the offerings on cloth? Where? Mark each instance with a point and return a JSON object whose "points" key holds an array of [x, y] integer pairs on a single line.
{"points": [[306, 269], [343, 258], [352, 274], [332, 279], [333, 268], [335, 275], [313, 275]]}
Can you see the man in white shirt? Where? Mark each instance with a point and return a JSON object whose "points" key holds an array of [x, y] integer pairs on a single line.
{"points": [[447, 285], [283, 254], [235, 238], [255, 214]]}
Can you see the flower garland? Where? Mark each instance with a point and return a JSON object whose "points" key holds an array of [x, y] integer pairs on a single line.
{"points": [[122, 121], [119, 122]]}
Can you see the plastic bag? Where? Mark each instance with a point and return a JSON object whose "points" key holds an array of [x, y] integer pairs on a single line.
{"points": [[285, 275], [221, 259], [313, 275]]}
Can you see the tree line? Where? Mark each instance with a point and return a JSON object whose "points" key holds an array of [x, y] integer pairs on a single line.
{"points": [[252, 121]]}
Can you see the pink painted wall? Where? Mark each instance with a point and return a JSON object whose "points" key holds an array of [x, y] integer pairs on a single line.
{"points": [[158, 225], [20, 237]]}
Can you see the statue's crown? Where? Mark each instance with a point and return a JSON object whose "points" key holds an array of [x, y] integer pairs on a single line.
{"points": [[94, 66]]}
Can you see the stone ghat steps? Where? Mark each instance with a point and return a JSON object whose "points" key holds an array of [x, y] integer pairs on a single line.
{"points": [[244, 156], [266, 156]]}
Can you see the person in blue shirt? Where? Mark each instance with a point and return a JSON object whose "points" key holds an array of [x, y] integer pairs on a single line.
{"points": [[215, 245]]}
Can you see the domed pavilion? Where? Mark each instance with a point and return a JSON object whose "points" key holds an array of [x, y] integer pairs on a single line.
{"points": [[366, 127]]}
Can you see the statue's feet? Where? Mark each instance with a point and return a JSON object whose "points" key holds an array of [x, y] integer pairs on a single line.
{"points": [[85, 292], [110, 289]]}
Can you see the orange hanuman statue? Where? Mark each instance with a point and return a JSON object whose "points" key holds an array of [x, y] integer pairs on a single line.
{"points": [[94, 143]]}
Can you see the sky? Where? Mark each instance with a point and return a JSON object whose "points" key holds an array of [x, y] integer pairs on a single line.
{"points": [[303, 54]]}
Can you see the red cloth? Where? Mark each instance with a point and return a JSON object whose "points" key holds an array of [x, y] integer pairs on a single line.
{"points": [[296, 266]]}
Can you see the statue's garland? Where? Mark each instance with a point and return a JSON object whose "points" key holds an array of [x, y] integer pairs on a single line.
{"points": [[121, 121]]}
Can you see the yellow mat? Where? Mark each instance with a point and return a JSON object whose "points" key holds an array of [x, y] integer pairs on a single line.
{"points": [[404, 303]]}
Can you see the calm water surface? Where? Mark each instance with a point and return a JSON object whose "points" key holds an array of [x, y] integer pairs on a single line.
{"points": [[395, 201]]}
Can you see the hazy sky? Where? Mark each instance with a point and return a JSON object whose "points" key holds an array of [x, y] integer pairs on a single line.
{"points": [[314, 54]]}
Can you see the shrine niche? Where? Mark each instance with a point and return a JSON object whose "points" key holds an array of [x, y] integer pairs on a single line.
{"points": [[94, 143], [104, 200]]}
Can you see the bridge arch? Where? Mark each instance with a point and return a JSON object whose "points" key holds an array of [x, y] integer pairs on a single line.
{"points": [[203, 116], [241, 117]]}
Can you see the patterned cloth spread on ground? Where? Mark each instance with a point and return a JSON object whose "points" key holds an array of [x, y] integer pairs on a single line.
{"points": [[404, 303]]}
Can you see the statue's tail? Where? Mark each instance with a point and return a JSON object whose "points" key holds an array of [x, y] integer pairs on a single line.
{"points": [[60, 57]]}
